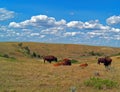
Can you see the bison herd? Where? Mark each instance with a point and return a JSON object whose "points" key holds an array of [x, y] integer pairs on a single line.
{"points": [[105, 60]]}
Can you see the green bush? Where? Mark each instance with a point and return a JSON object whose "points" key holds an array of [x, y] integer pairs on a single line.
{"points": [[6, 55], [100, 83], [27, 50], [1, 55], [92, 53], [20, 44], [38, 56], [74, 61]]}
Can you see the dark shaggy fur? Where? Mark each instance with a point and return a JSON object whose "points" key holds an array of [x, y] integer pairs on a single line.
{"points": [[50, 58], [106, 61]]}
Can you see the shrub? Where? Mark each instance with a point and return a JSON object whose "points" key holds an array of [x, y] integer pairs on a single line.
{"points": [[38, 56], [1, 55], [6, 55], [27, 50], [74, 61], [117, 54], [34, 54], [92, 53], [20, 44], [100, 83]]}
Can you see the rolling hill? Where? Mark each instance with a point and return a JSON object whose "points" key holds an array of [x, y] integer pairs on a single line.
{"points": [[73, 51]]}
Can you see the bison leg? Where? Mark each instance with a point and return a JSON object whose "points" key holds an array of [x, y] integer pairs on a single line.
{"points": [[49, 61], [108, 67], [44, 60]]}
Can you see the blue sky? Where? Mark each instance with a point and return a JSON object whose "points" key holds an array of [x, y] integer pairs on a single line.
{"points": [[92, 22]]}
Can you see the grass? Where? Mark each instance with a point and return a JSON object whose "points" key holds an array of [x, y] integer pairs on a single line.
{"points": [[60, 50], [100, 83], [25, 74], [35, 76]]}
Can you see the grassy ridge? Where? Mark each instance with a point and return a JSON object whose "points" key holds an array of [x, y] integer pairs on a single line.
{"points": [[59, 50]]}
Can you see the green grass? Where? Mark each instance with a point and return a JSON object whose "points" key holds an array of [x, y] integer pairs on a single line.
{"points": [[100, 83], [74, 61]]}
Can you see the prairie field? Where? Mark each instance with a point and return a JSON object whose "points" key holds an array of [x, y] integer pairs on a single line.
{"points": [[25, 74]]}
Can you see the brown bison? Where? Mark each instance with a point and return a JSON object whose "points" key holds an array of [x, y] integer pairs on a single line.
{"points": [[50, 58], [83, 65], [106, 61], [66, 61], [63, 62]]}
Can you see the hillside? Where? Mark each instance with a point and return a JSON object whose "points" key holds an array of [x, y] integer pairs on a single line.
{"points": [[27, 74], [73, 51], [33, 76]]}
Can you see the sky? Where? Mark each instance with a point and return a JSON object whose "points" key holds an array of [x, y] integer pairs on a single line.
{"points": [[90, 22]]}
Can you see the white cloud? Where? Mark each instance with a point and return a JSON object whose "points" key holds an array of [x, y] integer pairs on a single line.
{"points": [[42, 26], [113, 20], [34, 34], [108, 34], [40, 21], [75, 24], [3, 28], [116, 30], [71, 34], [92, 34], [117, 37], [14, 24], [42, 36], [90, 25], [53, 30], [6, 14]]}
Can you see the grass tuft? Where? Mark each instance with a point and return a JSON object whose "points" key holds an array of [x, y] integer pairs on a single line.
{"points": [[100, 83]]}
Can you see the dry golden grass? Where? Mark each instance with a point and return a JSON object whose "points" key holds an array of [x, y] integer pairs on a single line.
{"points": [[60, 50], [34, 76]]}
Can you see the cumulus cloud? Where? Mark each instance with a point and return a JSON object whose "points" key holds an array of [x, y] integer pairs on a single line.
{"points": [[53, 30], [71, 33], [6, 14], [38, 21], [95, 33], [42, 36], [34, 34], [44, 27], [3, 28], [113, 20], [116, 30], [50, 25], [91, 25], [75, 24]]}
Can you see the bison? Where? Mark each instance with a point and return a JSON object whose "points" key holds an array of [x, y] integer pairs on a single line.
{"points": [[105, 60], [83, 65], [50, 58], [66, 61], [63, 62]]}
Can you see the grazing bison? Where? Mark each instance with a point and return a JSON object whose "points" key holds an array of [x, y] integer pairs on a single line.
{"points": [[50, 58], [106, 61]]}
